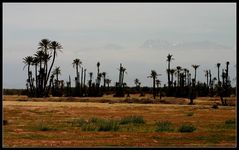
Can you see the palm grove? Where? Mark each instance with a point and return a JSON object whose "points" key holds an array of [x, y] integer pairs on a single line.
{"points": [[44, 81]]}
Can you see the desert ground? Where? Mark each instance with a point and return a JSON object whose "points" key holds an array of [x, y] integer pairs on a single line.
{"points": [[67, 122]]}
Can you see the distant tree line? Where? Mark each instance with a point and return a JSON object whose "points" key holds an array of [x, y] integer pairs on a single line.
{"points": [[45, 80]]}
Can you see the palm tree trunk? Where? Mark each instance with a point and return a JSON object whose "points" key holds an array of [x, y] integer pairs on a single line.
{"points": [[36, 77], [54, 56], [218, 77], [207, 79], [154, 87], [81, 77], [195, 76], [169, 84], [172, 78]]}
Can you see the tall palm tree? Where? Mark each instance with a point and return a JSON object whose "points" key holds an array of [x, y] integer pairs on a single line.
{"points": [[35, 62], [172, 71], [122, 77], [218, 77], [98, 68], [206, 75], [158, 82], [210, 78], [57, 72], [54, 46], [28, 60], [44, 45], [169, 59], [108, 81], [178, 73], [76, 63], [153, 75], [91, 75], [136, 82], [84, 76], [227, 64], [103, 75], [40, 55], [185, 75], [195, 75]]}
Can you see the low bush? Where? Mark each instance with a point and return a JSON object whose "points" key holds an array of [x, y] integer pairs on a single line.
{"points": [[187, 128], [132, 119], [98, 124], [163, 126], [190, 113], [231, 123], [43, 127]]}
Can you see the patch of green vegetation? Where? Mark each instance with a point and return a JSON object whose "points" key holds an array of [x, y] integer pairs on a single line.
{"points": [[132, 119], [96, 124], [43, 127], [78, 122], [190, 113], [187, 128], [230, 124], [32, 136], [89, 127], [163, 126]]}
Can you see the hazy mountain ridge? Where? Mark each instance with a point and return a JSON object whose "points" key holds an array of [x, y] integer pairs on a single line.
{"points": [[197, 45]]}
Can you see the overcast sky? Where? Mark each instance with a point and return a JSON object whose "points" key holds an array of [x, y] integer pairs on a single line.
{"points": [[138, 35]]}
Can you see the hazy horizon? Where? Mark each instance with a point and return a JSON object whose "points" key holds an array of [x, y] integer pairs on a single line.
{"points": [[138, 35]]}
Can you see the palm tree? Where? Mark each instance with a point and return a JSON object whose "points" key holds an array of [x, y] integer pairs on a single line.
{"points": [[178, 73], [98, 68], [172, 71], [91, 75], [103, 75], [153, 76], [206, 74], [218, 77], [136, 82], [44, 45], [108, 81], [84, 76], [185, 75], [122, 77], [77, 63], [28, 60], [195, 75], [35, 62], [54, 46], [40, 55], [57, 72], [169, 58], [227, 64]]}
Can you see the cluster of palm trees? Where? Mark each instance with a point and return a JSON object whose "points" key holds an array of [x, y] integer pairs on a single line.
{"points": [[46, 81], [93, 88], [121, 84], [40, 85]]}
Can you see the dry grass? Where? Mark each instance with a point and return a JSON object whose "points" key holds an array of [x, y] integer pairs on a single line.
{"points": [[46, 122]]}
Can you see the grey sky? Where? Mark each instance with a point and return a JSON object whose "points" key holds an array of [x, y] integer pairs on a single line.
{"points": [[203, 33]]}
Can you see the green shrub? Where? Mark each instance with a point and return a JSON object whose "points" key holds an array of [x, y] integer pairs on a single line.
{"points": [[231, 123], [163, 126], [132, 119], [108, 125], [187, 128], [98, 124], [43, 127], [78, 122], [190, 113], [89, 127]]}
